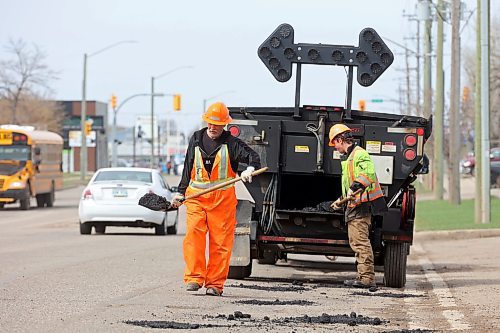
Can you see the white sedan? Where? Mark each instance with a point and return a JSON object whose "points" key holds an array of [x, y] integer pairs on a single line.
{"points": [[111, 199]]}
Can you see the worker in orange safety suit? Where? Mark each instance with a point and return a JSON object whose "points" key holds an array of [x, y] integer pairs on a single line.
{"points": [[359, 181], [212, 157]]}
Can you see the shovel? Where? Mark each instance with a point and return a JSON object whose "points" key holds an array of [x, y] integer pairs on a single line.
{"points": [[158, 203], [224, 184], [350, 198]]}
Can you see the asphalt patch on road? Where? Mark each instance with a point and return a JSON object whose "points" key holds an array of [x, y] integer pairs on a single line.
{"points": [[163, 324], [275, 302], [352, 320], [292, 288], [382, 294], [418, 330]]}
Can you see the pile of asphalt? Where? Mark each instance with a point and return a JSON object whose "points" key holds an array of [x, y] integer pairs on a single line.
{"points": [[275, 302], [293, 288]]}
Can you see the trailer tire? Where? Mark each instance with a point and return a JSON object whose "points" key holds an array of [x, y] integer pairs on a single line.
{"points": [[395, 264], [50, 197], [240, 272]]}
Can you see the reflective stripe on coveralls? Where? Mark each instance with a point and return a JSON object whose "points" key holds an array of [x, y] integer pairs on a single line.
{"points": [[359, 167], [214, 212]]}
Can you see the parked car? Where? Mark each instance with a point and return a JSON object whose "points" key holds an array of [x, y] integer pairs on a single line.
{"points": [[111, 199], [467, 165], [495, 174]]}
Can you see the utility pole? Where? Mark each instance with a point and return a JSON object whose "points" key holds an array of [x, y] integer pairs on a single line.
{"points": [[477, 122], [485, 110], [439, 112], [453, 167], [408, 87]]}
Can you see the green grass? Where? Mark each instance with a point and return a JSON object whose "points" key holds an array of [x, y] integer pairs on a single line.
{"points": [[441, 215], [73, 179]]}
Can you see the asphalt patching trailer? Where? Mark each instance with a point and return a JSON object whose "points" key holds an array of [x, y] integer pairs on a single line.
{"points": [[289, 210]]}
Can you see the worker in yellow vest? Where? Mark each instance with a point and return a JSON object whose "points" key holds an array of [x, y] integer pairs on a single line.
{"points": [[212, 157], [359, 181]]}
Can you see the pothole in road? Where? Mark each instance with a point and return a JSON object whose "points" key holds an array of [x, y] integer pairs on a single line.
{"points": [[382, 294], [275, 302], [292, 288]]}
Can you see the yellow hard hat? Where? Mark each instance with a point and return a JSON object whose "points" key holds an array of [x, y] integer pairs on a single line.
{"points": [[336, 130], [217, 114]]}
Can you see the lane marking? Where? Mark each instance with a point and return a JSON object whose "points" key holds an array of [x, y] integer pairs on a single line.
{"points": [[415, 320], [454, 317]]}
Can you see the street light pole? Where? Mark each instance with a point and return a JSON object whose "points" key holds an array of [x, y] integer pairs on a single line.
{"points": [[205, 100], [153, 110], [113, 130], [83, 116], [83, 113]]}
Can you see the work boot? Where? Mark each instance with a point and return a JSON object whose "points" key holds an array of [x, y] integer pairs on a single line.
{"points": [[213, 291], [192, 286], [363, 284], [350, 283]]}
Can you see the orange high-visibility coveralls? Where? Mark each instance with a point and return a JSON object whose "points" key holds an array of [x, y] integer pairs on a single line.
{"points": [[214, 212]]}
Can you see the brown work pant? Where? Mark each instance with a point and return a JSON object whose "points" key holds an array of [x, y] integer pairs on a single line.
{"points": [[358, 231]]}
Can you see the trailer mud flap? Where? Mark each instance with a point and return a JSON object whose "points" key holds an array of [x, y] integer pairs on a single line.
{"points": [[240, 256]]}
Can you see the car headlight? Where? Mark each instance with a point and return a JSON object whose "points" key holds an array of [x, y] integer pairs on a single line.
{"points": [[17, 185], [467, 164]]}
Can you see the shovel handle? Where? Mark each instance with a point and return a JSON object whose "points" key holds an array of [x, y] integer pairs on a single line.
{"points": [[351, 198], [221, 185]]}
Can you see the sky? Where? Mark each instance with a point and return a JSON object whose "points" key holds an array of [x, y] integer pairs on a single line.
{"points": [[218, 39]]}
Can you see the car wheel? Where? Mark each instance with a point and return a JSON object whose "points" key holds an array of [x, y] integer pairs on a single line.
{"points": [[161, 229], [100, 228], [172, 230], [85, 228]]}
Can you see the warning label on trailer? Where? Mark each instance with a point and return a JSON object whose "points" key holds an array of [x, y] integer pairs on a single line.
{"points": [[389, 147], [373, 147], [301, 149]]}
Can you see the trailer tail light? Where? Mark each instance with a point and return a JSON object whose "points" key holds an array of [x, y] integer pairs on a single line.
{"points": [[410, 154], [420, 131], [87, 194], [410, 140], [234, 130]]}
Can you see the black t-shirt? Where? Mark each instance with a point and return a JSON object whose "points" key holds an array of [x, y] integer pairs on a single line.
{"points": [[210, 147]]}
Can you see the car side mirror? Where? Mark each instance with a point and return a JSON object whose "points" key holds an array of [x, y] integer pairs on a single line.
{"points": [[38, 151]]}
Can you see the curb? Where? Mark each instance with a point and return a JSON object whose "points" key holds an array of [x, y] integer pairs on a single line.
{"points": [[456, 234]]}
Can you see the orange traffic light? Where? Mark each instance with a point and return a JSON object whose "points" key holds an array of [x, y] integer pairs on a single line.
{"points": [[466, 95], [113, 102], [177, 102], [88, 128], [362, 104]]}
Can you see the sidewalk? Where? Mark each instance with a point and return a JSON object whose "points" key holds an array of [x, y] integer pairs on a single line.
{"points": [[467, 190]]}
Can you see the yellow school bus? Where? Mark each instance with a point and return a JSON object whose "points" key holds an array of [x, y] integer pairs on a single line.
{"points": [[30, 166]]}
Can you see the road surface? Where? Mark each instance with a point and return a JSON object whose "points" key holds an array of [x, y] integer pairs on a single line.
{"points": [[52, 279]]}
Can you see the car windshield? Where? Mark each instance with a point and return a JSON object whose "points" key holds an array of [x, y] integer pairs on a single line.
{"points": [[15, 153], [125, 175]]}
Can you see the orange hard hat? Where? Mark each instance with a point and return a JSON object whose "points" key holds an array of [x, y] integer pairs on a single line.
{"points": [[336, 130], [217, 114]]}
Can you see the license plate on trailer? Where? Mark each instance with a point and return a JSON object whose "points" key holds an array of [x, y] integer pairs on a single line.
{"points": [[120, 192]]}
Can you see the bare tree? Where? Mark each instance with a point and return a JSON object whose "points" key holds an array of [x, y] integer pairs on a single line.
{"points": [[24, 77]]}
